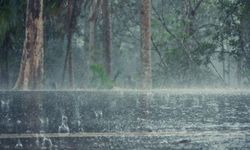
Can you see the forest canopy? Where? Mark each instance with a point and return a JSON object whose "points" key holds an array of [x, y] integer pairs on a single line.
{"points": [[65, 44]]}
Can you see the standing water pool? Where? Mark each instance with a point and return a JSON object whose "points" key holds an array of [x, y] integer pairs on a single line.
{"points": [[125, 119]]}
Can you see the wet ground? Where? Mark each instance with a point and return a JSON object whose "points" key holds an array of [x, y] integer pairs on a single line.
{"points": [[125, 119]]}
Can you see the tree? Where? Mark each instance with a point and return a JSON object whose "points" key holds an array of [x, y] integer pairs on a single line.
{"points": [[4, 67], [107, 37], [74, 7], [31, 68], [145, 23], [68, 63], [92, 29]]}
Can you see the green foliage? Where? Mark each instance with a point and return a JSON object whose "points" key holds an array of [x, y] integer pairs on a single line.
{"points": [[100, 75], [182, 46]]}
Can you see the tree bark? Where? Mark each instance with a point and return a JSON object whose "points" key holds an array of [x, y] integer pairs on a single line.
{"points": [[145, 23], [31, 68], [107, 35]]}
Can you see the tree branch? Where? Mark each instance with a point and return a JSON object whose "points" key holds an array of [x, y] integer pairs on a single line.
{"points": [[197, 6], [212, 64], [158, 52]]}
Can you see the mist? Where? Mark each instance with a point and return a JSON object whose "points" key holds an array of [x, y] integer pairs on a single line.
{"points": [[205, 47]]}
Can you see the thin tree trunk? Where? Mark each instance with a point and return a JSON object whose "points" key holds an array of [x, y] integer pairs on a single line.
{"points": [[240, 57], [68, 63], [223, 68], [92, 31], [239, 72], [107, 40], [31, 69], [229, 70], [190, 11], [146, 43], [4, 67], [223, 59]]}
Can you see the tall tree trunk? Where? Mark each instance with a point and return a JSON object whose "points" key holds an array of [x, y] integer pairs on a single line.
{"points": [[145, 23], [92, 31], [245, 37], [31, 69], [92, 48], [223, 59], [4, 68], [229, 70], [239, 72], [68, 63], [107, 37], [188, 20], [190, 11]]}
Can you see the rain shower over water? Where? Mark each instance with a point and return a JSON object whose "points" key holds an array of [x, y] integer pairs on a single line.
{"points": [[102, 119]]}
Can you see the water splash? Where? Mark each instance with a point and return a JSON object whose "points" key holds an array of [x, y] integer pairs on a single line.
{"points": [[18, 126], [44, 123], [98, 114], [79, 126], [46, 144], [37, 142], [19, 144], [5, 106], [64, 128]]}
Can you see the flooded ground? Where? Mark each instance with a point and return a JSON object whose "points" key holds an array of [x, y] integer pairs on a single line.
{"points": [[125, 119]]}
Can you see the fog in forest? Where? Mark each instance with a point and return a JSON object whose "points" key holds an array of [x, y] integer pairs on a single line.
{"points": [[116, 44]]}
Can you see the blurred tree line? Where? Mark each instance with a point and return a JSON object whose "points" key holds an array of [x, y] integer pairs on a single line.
{"points": [[124, 43]]}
